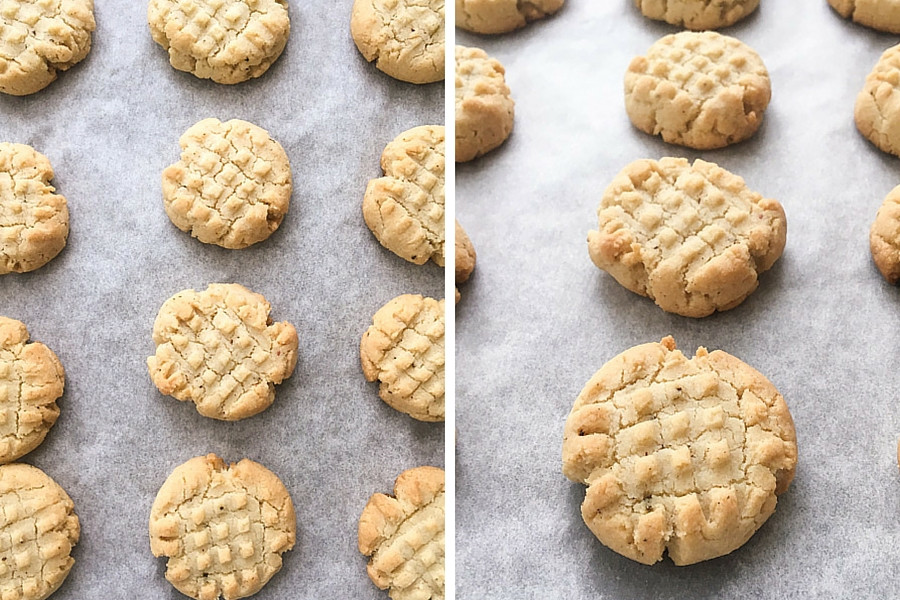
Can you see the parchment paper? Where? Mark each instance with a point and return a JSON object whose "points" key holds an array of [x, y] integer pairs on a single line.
{"points": [[538, 319], [110, 126]]}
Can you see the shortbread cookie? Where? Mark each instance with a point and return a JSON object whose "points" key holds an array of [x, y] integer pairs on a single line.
{"points": [[701, 90], [684, 456], [693, 238], [39, 528], [502, 16], [465, 255], [405, 38], [405, 208], [34, 220], [883, 15], [884, 237], [404, 350], [223, 528], [31, 380], [697, 14], [219, 349], [232, 186], [38, 39], [484, 108], [877, 111], [404, 536], [228, 41]]}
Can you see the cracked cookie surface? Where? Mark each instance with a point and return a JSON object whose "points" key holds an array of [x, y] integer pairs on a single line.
{"points": [[222, 527], [876, 113], [405, 208], [404, 350], [693, 238], [883, 15], [404, 536], [465, 255], [219, 349], [34, 220], [700, 90], [884, 237], [405, 38], [39, 528], [697, 14], [40, 38], [228, 41], [502, 16], [484, 108], [684, 456]]}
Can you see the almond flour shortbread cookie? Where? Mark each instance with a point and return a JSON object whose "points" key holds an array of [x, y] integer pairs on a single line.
{"points": [[883, 15], [405, 208], [39, 530], [697, 14], [884, 237], [228, 41], [404, 536], [405, 38], [701, 90], [38, 39], [222, 527], [404, 350], [484, 108], [219, 349], [684, 456], [34, 220], [692, 238], [877, 110], [502, 16], [232, 186]]}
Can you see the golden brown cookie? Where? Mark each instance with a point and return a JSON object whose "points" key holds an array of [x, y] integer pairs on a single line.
{"points": [[883, 15], [701, 90], [693, 238], [404, 536], [684, 456], [697, 14], [39, 528], [877, 113], [222, 527], [465, 255], [484, 108], [405, 208], [884, 237], [34, 220], [404, 350], [219, 349], [502, 16]]}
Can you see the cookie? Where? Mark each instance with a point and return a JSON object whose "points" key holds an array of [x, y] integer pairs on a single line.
{"points": [[404, 350], [34, 220], [684, 456], [405, 38], [405, 208], [232, 186], [876, 113], [404, 536], [484, 108], [698, 15], [39, 39], [223, 528], [228, 41], [883, 15], [465, 255], [39, 528], [502, 16], [700, 90], [219, 349], [884, 237], [692, 238]]}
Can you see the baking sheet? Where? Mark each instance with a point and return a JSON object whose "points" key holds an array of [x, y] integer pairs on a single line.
{"points": [[110, 126], [537, 319]]}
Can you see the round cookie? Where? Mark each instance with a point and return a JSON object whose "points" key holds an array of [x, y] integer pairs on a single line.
{"points": [[219, 349], [31, 380], [876, 112], [884, 237], [228, 41], [405, 208], [404, 536], [701, 90], [34, 220], [405, 38], [40, 528], [38, 39], [697, 14], [883, 15], [465, 255], [232, 186], [693, 238], [404, 350], [501, 16], [484, 108], [223, 528], [684, 456]]}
